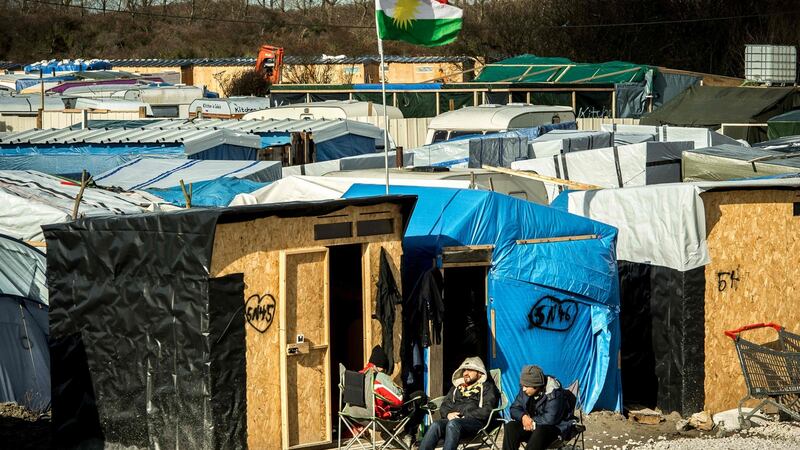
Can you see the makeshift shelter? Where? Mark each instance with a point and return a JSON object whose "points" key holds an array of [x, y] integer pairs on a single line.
{"points": [[730, 162], [68, 152], [25, 358], [307, 140], [498, 149], [212, 328], [32, 199], [783, 125], [145, 173], [517, 277], [624, 166], [366, 161], [522, 284], [212, 193], [701, 137], [696, 259], [712, 106], [335, 184]]}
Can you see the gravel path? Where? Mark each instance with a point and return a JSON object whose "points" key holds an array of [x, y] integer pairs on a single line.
{"points": [[777, 436]]}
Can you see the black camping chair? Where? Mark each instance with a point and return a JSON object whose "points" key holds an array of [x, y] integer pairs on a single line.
{"points": [[487, 436], [577, 428], [357, 413]]}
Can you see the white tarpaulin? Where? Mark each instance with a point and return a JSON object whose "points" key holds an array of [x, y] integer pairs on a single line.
{"points": [[662, 225], [702, 137], [145, 173], [305, 188], [627, 165], [31, 199]]}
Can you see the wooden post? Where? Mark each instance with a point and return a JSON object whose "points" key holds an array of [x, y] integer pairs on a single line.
{"points": [[187, 195], [39, 118], [398, 157], [78, 198], [306, 145], [369, 108], [452, 104]]}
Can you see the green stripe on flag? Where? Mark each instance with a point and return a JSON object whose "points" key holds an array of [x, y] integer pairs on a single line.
{"points": [[430, 33]]}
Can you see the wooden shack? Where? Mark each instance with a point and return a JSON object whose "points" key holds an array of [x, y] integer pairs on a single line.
{"points": [[753, 238], [302, 289]]}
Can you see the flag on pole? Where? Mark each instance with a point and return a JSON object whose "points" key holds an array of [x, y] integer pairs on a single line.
{"points": [[421, 22]]}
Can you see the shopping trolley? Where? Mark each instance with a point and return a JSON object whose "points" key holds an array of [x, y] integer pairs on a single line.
{"points": [[771, 372]]}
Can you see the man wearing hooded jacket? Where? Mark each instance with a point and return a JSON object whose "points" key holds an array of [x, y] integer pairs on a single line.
{"points": [[466, 407], [541, 413]]}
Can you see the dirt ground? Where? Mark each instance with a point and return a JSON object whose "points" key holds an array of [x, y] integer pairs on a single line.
{"points": [[21, 429]]}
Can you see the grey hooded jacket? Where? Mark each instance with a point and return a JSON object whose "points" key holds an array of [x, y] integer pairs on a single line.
{"points": [[475, 401]]}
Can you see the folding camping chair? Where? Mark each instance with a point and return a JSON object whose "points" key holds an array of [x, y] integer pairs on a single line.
{"points": [[577, 427], [486, 436], [357, 413]]}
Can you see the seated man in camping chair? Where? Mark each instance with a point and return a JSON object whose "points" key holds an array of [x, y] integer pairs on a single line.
{"points": [[542, 413], [466, 407], [389, 397]]}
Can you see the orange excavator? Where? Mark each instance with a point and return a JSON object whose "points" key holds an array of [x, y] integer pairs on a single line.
{"points": [[270, 62]]}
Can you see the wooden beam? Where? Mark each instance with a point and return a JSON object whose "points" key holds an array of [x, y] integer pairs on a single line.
{"points": [[581, 237], [36, 243], [543, 178]]}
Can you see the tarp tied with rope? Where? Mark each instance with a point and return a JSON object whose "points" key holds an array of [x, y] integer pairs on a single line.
{"points": [[537, 69]]}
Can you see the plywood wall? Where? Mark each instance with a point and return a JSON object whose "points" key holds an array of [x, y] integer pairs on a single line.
{"points": [[213, 77], [253, 248], [424, 72], [754, 237]]}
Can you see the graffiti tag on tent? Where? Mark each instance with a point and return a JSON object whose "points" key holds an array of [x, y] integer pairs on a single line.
{"points": [[550, 313], [259, 310]]}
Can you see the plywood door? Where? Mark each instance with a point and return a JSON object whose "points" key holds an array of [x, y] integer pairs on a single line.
{"points": [[305, 375]]}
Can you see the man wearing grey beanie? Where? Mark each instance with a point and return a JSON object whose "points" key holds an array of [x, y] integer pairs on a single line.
{"points": [[542, 412]]}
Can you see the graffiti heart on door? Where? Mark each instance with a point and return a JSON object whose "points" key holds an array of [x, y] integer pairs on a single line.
{"points": [[259, 310], [550, 313]]}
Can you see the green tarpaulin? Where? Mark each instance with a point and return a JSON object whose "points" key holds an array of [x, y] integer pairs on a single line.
{"points": [[787, 124], [712, 106], [537, 69]]}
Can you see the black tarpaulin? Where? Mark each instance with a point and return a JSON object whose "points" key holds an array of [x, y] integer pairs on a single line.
{"points": [[147, 349], [663, 329]]}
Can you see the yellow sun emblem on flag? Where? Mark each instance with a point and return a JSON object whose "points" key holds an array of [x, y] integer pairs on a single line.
{"points": [[404, 13]]}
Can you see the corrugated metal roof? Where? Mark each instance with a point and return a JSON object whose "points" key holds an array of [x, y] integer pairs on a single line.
{"points": [[292, 60], [193, 139], [322, 129]]}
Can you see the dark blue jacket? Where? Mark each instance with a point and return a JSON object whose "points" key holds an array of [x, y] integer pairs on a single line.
{"points": [[554, 406]]}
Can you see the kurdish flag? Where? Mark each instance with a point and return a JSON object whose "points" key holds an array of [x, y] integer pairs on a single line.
{"points": [[422, 22]]}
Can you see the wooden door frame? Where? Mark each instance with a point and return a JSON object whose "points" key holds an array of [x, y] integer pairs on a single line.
{"points": [[283, 342]]}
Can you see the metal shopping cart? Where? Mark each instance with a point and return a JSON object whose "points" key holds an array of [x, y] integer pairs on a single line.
{"points": [[771, 371]]}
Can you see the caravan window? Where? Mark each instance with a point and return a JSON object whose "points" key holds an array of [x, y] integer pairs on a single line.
{"points": [[439, 136], [459, 133]]}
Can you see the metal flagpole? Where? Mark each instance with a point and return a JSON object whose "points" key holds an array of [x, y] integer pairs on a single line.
{"points": [[385, 120]]}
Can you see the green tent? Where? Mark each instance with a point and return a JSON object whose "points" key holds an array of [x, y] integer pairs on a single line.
{"points": [[712, 106], [537, 69], [786, 124]]}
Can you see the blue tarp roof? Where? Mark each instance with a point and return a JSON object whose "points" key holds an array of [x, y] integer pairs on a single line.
{"points": [[68, 66], [217, 192], [556, 304]]}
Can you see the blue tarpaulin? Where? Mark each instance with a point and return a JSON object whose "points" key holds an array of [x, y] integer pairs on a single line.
{"points": [[344, 146], [68, 66], [556, 304], [71, 160], [217, 192]]}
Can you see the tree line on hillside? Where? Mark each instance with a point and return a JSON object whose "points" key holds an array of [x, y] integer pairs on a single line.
{"points": [[700, 35]]}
